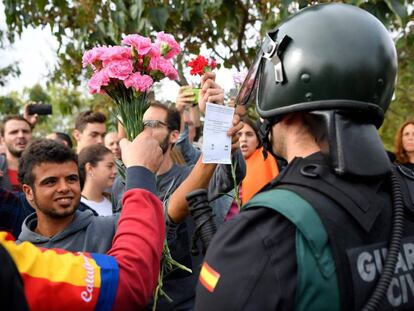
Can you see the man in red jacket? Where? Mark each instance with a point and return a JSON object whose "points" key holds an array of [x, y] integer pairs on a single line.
{"points": [[121, 280]]}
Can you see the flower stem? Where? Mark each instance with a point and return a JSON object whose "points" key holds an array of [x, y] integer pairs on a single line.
{"points": [[236, 185]]}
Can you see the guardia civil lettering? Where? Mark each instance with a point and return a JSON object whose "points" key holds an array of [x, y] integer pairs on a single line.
{"points": [[370, 264]]}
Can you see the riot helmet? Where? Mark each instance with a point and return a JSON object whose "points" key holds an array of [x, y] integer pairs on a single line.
{"points": [[327, 56]]}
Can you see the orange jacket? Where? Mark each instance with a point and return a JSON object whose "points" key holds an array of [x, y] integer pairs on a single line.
{"points": [[258, 173]]}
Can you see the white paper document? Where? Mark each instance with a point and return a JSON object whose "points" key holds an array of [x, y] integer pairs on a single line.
{"points": [[216, 144]]}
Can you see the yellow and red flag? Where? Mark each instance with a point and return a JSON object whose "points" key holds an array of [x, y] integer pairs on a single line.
{"points": [[209, 277]]}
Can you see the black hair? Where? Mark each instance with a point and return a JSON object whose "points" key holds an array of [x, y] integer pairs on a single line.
{"points": [[64, 137], [255, 126], [41, 151], [91, 154], [173, 116]]}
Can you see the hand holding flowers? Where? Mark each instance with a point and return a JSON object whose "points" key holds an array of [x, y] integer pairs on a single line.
{"points": [[127, 73], [201, 66], [210, 91]]}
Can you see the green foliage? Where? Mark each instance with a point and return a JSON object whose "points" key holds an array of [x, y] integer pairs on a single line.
{"points": [[402, 108], [37, 94], [7, 72], [9, 105], [231, 29]]}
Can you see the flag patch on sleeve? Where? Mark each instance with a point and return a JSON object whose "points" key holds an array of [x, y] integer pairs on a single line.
{"points": [[209, 277]]}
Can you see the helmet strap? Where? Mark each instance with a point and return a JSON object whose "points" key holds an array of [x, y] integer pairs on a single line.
{"points": [[264, 132]]}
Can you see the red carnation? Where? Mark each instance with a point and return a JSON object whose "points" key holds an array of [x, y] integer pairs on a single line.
{"points": [[213, 64], [200, 65]]}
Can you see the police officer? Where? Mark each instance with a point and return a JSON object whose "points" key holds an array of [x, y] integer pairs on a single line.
{"points": [[327, 233]]}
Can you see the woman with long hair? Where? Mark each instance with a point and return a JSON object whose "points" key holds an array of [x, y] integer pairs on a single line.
{"points": [[97, 173], [259, 171], [404, 144]]}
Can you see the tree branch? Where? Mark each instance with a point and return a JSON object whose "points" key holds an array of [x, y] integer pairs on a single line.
{"points": [[242, 30], [215, 52]]}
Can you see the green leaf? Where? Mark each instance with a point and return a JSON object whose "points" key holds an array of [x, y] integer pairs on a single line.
{"points": [[119, 21], [399, 8], [40, 4], [120, 6], [158, 17], [134, 11], [286, 3]]}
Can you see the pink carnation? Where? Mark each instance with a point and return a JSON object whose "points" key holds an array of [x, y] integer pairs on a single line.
{"points": [[172, 74], [155, 51], [163, 65], [167, 45], [120, 69], [92, 56], [140, 43], [139, 82], [114, 53], [99, 78], [239, 77]]}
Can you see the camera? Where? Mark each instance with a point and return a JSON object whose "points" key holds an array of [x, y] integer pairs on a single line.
{"points": [[40, 109]]}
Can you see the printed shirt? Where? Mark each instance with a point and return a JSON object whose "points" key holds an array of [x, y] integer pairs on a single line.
{"points": [[56, 279]]}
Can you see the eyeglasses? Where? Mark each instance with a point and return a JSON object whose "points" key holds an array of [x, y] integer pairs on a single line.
{"points": [[154, 124]]}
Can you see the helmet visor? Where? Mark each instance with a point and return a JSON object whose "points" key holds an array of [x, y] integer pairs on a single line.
{"points": [[267, 50], [250, 82]]}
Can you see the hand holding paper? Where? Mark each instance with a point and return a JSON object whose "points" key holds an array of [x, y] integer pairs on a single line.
{"points": [[216, 143]]}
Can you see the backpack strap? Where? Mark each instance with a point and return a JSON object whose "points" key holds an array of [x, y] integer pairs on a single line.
{"points": [[4, 180], [406, 178], [317, 281], [2, 161]]}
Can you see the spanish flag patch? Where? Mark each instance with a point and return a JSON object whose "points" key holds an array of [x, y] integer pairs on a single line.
{"points": [[209, 277]]}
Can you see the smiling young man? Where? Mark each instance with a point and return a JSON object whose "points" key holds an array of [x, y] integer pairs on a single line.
{"points": [[49, 175], [16, 133], [39, 279]]}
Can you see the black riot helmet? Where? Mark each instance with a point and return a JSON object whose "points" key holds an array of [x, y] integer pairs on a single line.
{"points": [[328, 56]]}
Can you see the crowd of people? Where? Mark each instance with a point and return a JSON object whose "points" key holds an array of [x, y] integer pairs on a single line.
{"points": [[303, 215]]}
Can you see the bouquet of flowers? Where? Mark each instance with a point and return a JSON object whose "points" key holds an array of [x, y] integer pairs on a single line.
{"points": [[126, 73]]}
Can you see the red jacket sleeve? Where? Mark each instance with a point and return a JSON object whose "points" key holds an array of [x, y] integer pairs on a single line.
{"points": [[137, 248]]}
